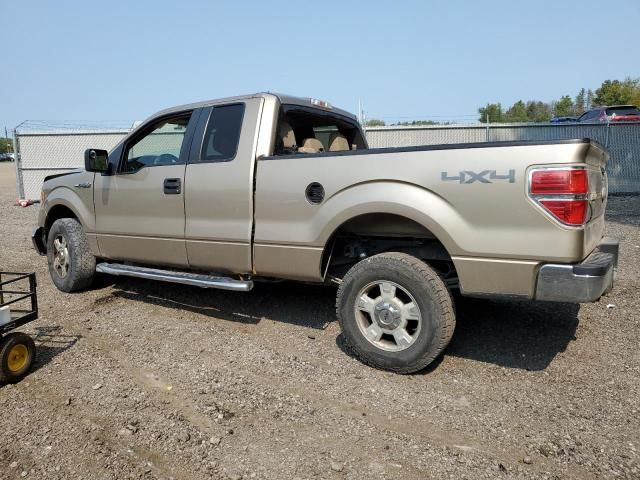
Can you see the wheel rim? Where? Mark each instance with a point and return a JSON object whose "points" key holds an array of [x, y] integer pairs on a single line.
{"points": [[388, 316], [60, 256], [18, 358]]}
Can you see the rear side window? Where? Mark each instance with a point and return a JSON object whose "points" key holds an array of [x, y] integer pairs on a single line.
{"points": [[222, 134]]}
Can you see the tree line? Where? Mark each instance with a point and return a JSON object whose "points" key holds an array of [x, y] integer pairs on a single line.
{"points": [[6, 145], [611, 92]]}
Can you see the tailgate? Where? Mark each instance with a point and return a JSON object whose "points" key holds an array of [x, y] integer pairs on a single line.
{"points": [[596, 160]]}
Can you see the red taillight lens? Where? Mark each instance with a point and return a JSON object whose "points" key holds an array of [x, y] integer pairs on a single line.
{"points": [[571, 212], [558, 182], [562, 193]]}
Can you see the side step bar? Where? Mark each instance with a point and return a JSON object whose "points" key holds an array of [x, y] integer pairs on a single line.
{"points": [[187, 278]]}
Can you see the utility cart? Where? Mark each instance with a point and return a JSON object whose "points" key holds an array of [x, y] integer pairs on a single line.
{"points": [[18, 306]]}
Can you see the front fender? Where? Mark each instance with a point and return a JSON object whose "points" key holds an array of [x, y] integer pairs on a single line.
{"points": [[73, 191], [67, 197]]}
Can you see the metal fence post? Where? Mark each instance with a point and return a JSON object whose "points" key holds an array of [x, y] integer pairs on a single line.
{"points": [[19, 180], [606, 138]]}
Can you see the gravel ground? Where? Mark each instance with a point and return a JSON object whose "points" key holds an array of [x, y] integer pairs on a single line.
{"points": [[136, 379]]}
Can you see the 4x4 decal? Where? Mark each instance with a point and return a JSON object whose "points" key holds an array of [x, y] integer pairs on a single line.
{"points": [[485, 176]]}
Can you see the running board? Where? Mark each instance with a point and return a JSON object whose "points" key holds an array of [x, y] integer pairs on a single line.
{"points": [[186, 278]]}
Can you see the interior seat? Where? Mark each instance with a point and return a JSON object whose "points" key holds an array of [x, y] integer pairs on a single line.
{"points": [[287, 136], [338, 142], [311, 145]]}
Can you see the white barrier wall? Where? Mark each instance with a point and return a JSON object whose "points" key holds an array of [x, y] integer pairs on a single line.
{"points": [[51, 152]]}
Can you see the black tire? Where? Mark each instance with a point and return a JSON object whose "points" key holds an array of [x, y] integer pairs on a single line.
{"points": [[17, 353], [81, 267], [429, 293]]}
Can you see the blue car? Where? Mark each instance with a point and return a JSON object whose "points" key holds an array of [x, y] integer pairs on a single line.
{"points": [[563, 119]]}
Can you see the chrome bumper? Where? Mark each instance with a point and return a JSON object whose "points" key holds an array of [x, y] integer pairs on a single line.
{"points": [[583, 282]]}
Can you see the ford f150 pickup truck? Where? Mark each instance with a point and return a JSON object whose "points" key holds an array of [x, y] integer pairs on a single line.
{"points": [[226, 192]]}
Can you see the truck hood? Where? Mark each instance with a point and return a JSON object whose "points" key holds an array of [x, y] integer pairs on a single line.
{"points": [[58, 175], [66, 180]]}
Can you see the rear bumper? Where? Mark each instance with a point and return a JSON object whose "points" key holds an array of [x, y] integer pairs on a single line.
{"points": [[37, 237], [583, 282]]}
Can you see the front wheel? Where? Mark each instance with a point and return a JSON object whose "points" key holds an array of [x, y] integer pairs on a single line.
{"points": [[395, 312], [72, 266]]}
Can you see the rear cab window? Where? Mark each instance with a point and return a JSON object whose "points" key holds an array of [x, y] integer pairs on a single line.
{"points": [[304, 129]]}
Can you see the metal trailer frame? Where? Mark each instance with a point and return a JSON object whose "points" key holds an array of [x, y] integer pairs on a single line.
{"points": [[22, 316]]}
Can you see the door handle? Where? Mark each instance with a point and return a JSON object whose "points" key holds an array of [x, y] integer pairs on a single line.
{"points": [[172, 186]]}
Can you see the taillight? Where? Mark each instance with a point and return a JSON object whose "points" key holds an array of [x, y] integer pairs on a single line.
{"points": [[572, 212], [562, 193], [570, 182]]}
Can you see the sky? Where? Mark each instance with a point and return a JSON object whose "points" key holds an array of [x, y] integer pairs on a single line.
{"points": [[114, 62]]}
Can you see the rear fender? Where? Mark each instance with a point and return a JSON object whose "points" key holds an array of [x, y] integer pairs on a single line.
{"points": [[403, 199]]}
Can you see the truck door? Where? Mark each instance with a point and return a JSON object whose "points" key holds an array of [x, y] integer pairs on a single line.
{"points": [[140, 207], [219, 187]]}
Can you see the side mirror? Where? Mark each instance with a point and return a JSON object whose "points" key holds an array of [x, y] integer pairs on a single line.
{"points": [[96, 160]]}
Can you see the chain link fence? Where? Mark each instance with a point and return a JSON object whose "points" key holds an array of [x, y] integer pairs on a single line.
{"points": [[47, 152]]}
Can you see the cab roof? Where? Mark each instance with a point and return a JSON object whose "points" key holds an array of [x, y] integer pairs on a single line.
{"points": [[282, 98]]}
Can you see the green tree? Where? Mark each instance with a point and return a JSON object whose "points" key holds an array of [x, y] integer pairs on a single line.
{"points": [[6, 145], [590, 96], [492, 112], [580, 104], [635, 98], [538, 111], [563, 107], [517, 113], [616, 92], [374, 122]]}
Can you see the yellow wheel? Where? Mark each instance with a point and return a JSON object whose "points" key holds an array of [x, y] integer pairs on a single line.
{"points": [[17, 352], [18, 358]]}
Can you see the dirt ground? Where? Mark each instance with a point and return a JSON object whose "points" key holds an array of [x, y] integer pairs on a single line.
{"points": [[136, 379]]}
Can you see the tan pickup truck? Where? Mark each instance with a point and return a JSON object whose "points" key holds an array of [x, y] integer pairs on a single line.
{"points": [[223, 193]]}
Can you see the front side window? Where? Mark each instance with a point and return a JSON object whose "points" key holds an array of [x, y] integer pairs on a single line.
{"points": [[158, 147], [222, 135]]}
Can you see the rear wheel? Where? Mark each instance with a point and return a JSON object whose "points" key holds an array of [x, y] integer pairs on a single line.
{"points": [[395, 312], [71, 264], [17, 352]]}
